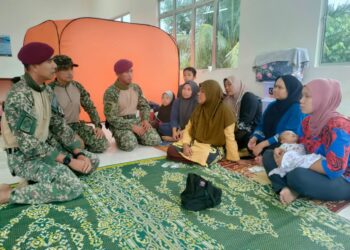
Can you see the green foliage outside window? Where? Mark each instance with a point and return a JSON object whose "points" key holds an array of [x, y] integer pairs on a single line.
{"points": [[227, 30], [336, 43]]}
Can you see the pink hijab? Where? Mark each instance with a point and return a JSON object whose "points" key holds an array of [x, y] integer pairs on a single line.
{"points": [[326, 97]]}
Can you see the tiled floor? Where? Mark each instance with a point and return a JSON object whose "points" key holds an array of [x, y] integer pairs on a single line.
{"points": [[112, 156]]}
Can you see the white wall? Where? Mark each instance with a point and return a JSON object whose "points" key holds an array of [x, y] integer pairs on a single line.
{"points": [[266, 25], [141, 11], [16, 16]]}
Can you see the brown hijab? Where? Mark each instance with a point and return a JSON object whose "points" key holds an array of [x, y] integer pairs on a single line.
{"points": [[210, 119]]}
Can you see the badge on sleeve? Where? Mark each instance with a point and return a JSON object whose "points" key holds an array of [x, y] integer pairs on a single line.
{"points": [[26, 123]]}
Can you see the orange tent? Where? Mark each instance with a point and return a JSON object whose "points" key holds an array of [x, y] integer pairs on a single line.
{"points": [[96, 44]]}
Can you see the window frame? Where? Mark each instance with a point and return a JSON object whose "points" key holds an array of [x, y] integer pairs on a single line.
{"points": [[193, 7], [324, 16], [122, 17]]}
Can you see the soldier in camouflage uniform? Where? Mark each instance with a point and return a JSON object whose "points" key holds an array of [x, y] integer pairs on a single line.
{"points": [[32, 119], [122, 100], [71, 95]]}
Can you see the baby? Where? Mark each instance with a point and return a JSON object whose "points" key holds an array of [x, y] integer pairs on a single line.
{"points": [[294, 154]]}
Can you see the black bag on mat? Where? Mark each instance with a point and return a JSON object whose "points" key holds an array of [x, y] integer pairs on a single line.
{"points": [[199, 194]]}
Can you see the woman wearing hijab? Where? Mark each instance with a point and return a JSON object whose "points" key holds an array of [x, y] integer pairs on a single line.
{"points": [[182, 108], [246, 106], [164, 113], [281, 115], [210, 128], [324, 132]]}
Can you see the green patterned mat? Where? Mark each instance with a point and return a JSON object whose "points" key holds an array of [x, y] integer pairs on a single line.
{"points": [[137, 205]]}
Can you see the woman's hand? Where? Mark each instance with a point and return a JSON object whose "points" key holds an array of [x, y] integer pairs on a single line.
{"points": [[187, 150], [177, 134], [252, 142], [259, 148]]}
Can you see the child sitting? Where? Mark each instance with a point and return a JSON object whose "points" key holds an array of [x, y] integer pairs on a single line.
{"points": [[294, 154], [163, 116]]}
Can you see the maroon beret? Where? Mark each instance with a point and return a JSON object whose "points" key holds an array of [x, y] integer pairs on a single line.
{"points": [[35, 53], [123, 65]]}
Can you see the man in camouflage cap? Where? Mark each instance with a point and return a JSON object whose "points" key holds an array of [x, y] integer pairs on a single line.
{"points": [[71, 95], [122, 100], [32, 119]]}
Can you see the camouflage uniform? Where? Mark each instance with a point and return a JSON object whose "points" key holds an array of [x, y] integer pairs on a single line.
{"points": [[121, 127], [34, 159], [86, 132]]}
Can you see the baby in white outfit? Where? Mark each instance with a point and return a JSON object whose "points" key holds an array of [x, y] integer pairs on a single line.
{"points": [[294, 155]]}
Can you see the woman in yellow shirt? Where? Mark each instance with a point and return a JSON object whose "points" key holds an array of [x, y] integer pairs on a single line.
{"points": [[211, 127]]}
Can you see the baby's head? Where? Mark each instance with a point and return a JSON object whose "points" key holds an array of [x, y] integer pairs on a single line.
{"points": [[288, 137], [167, 98]]}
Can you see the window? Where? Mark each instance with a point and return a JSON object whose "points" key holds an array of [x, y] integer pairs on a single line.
{"points": [[206, 31], [123, 18], [336, 37]]}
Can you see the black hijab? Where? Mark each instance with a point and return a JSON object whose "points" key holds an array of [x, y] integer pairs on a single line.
{"points": [[164, 112], [274, 112]]}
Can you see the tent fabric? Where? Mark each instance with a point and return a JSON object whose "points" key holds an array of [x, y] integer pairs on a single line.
{"points": [[96, 44]]}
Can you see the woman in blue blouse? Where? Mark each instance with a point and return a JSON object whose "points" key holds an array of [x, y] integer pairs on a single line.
{"points": [[281, 115]]}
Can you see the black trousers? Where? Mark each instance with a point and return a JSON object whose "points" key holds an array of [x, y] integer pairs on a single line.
{"points": [[307, 183], [250, 114]]}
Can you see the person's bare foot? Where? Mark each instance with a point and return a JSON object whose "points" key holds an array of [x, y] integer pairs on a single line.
{"points": [[259, 160], [287, 196], [5, 191]]}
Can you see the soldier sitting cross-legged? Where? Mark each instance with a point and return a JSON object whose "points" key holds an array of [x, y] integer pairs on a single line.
{"points": [[121, 101], [37, 140]]}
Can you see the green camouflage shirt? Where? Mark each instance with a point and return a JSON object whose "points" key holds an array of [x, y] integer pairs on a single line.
{"points": [[110, 101], [20, 114]]}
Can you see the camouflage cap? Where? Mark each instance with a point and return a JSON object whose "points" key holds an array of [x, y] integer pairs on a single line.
{"points": [[63, 61]]}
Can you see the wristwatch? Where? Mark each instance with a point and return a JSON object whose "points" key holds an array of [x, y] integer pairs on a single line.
{"points": [[67, 160]]}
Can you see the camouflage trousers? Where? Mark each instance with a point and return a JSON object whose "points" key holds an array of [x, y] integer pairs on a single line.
{"points": [[87, 134], [127, 140], [52, 181]]}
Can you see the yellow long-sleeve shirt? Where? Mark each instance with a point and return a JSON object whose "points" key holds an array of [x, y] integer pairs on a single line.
{"points": [[200, 151]]}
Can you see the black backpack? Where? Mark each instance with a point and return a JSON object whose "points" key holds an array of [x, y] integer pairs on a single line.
{"points": [[199, 194]]}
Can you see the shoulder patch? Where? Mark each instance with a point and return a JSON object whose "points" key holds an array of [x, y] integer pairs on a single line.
{"points": [[26, 123]]}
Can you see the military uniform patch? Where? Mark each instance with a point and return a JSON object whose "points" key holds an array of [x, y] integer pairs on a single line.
{"points": [[26, 123]]}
